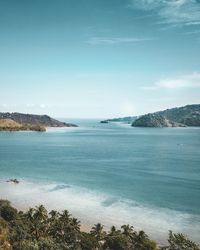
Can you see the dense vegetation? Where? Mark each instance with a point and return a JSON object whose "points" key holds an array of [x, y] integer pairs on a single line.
{"points": [[188, 115], [155, 120], [37, 229], [176, 117]]}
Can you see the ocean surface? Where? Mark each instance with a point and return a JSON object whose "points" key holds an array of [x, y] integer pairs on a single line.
{"points": [[109, 173]]}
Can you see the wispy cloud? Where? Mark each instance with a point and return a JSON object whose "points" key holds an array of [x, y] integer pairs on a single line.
{"points": [[173, 12], [184, 81], [116, 40]]}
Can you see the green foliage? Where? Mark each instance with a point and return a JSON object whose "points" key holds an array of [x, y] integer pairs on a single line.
{"points": [[4, 234], [181, 242], [37, 229], [118, 242], [88, 242], [4, 203], [8, 213]]}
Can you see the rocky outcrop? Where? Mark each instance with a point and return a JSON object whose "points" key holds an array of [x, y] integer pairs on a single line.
{"points": [[15, 181]]}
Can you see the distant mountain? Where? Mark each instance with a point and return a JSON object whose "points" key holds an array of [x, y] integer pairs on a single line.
{"points": [[19, 121], [176, 117], [127, 119]]}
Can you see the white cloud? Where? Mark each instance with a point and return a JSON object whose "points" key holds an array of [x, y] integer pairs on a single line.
{"points": [[174, 12], [185, 81], [116, 40]]}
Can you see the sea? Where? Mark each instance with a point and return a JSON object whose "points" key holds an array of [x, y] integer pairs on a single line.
{"points": [[111, 173]]}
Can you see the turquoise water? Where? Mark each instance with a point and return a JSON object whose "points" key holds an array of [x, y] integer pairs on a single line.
{"points": [[148, 177]]}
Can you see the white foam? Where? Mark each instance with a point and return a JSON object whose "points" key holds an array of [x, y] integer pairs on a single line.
{"points": [[60, 129], [92, 207]]}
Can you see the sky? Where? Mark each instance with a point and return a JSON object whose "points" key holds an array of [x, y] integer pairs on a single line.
{"points": [[98, 58]]}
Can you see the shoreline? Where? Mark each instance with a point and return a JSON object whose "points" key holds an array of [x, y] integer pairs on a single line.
{"points": [[59, 197]]}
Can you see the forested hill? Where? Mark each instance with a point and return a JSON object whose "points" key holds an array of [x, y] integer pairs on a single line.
{"points": [[176, 117], [188, 115]]}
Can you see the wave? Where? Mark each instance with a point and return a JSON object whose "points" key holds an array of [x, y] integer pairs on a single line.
{"points": [[92, 207], [59, 187]]}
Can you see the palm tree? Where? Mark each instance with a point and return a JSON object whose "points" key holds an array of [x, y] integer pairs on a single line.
{"points": [[61, 227], [41, 221], [97, 231], [54, 215], [75, 223], [142, 236], [30, 214], [38, 219], [113, 230], [129, 232], [41, 213]]}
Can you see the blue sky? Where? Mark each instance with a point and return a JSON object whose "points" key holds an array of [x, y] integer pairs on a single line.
{"points": [[98, 58]]}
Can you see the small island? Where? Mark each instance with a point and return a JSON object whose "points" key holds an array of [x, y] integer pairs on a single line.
{"points": [[29, 122], [127, 119]]}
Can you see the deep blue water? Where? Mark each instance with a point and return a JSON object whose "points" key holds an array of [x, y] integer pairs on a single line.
{"points": [[157, 169]]}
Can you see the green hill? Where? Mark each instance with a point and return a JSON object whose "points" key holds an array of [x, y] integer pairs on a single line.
{"points": [[176, 117]]}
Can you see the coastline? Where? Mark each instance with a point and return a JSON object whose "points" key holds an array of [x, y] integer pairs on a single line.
{"points": [[88, 211], [25, 206]]}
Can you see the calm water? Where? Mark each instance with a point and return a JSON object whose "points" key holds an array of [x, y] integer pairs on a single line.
{"points": [[110, 173]]}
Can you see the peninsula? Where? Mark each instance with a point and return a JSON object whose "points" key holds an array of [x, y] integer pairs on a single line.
{"points": [[23, 122]]}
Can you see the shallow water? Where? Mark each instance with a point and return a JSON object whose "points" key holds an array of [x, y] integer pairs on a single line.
{"points": [[111, 173]]}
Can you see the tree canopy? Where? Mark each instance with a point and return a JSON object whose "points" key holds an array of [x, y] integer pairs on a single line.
{"points": [[38, 229]]}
